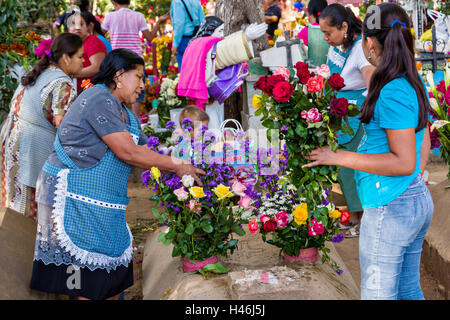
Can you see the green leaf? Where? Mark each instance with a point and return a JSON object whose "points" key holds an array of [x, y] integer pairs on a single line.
{"points": [[347, 129], [190, 229], [156, 213], [208, 228], [301, 131], [162, 237], [215, 268]]}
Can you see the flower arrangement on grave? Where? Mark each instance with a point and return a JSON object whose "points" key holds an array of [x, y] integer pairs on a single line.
{"points": [[440, 126], [303, 107], [201, 220], [281, 214]]}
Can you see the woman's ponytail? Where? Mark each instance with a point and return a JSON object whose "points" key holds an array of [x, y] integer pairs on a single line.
{"points": [[30, 78], [397, 59]]}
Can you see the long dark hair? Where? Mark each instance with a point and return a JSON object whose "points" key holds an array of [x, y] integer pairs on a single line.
{"points": [[64, 43], [88, 18], [114, 61], [337, 14], [315, 8], [397, 58]]}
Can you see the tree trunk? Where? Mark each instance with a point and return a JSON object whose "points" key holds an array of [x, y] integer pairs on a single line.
{"points": [[236, 13]]}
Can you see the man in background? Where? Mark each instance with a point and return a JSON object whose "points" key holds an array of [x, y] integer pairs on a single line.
{"points": [[186, 16]]}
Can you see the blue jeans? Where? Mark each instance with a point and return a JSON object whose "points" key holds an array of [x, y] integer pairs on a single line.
{"points": [[390, 245], [180, 50]]}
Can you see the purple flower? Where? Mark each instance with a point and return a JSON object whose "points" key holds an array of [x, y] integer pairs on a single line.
{"points": [[283, 128], [145, 178], [340, 271], [170, 125], [186, 124], [152, 141], [164, 223], [204, 128], [338, 238]]}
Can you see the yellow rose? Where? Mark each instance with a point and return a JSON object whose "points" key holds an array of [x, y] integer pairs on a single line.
{"points": [[197, 192], [256, 101], [223, 192], [301, 213], [155, 173], [336, 214], [277, 32]]}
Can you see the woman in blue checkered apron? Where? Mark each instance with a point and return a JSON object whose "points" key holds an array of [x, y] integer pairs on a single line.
{"points": [[83, 243]]}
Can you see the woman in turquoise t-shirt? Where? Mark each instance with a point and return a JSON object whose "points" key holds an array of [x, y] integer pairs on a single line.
{"points": [[393, 152]]}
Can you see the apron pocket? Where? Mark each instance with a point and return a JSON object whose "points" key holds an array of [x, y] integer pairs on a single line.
{"points": [[95, 228]]}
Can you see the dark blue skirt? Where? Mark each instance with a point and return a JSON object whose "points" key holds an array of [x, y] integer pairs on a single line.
{"points": [[94, 285]]}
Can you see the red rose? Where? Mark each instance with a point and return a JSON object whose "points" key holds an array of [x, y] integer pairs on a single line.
{"points": [[270, 225], [262, 85], [301, 66], [336, 82], [283, 91], [339, 106], [345, 217], [273, 80], [303, 76]]}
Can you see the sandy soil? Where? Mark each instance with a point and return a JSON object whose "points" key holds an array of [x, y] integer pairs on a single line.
{"points": [[142, 223]]}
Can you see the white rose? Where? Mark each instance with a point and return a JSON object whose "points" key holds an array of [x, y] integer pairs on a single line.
{"points": [[187, 181]]}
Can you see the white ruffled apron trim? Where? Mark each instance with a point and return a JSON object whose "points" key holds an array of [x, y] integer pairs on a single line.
{"points": [[85, 257]]}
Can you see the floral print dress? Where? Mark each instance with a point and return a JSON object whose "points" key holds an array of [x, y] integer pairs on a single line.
{"points": [[56, 98]]}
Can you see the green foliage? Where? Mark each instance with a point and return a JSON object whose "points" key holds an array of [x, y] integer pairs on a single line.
{"points": [[153, 8]]}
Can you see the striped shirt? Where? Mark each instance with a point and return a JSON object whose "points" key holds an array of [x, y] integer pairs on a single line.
{"points": [[124, 26]]}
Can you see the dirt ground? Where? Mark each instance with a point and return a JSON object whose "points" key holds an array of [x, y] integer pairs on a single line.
{"points": [[142, 223]]}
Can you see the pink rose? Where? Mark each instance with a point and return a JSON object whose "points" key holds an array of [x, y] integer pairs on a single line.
{"points": [[253, 227], [281, 218], [312, 115], [315, 228], [194, 206], [284, 72], [245, 202], [238, 188], [323, 71], [264, 218], [181, 194]]}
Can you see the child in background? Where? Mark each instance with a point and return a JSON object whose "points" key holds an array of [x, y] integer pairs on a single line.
{"points": [[124, 26], [183, 150]]}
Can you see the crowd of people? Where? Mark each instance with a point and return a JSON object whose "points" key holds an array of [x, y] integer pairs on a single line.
{"points": [[67, 152]]}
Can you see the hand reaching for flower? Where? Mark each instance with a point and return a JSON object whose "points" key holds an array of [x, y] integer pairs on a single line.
{"points": [[321, 156], [187, 169]]}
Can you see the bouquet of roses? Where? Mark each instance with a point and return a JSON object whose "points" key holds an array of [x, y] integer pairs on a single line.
{"points": [[201, 220], [307, 113], [440, 127]]}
